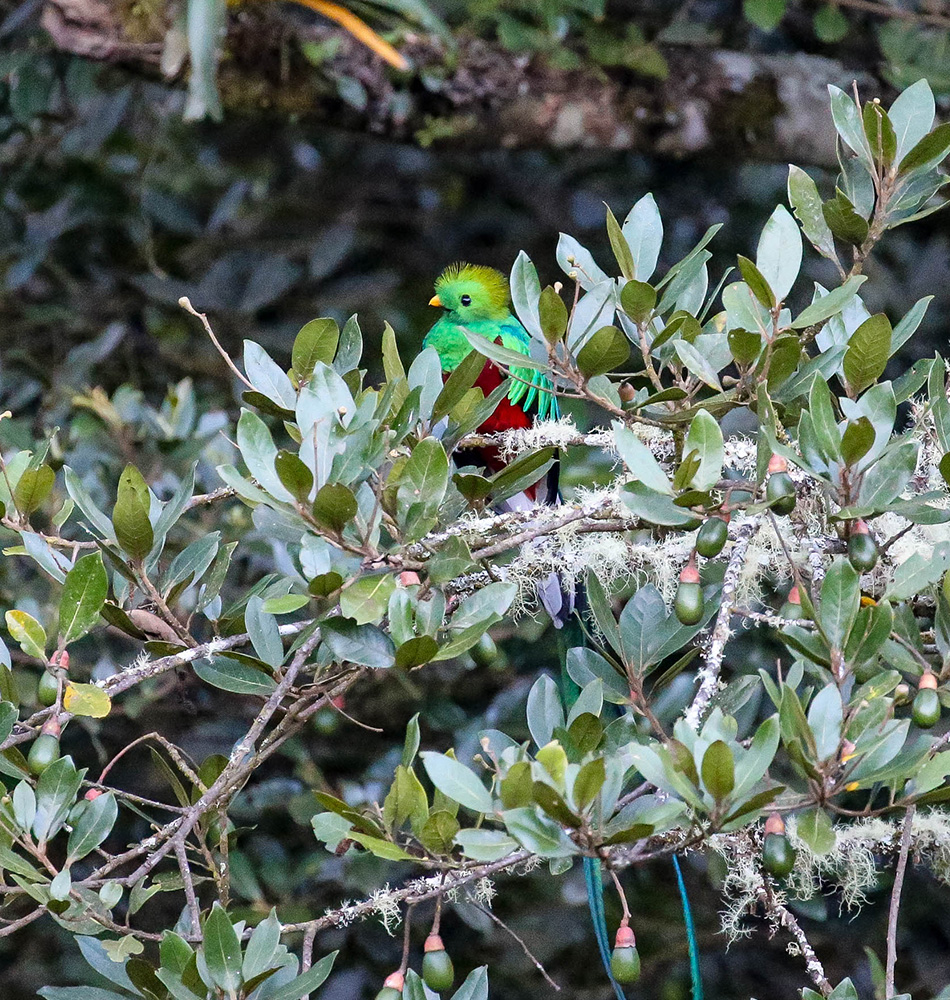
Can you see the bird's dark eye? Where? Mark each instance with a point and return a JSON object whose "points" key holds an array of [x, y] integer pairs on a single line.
{"points": [[466, 300]]}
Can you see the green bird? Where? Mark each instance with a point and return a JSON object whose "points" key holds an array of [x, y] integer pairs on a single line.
{"points": [[475, 302]]}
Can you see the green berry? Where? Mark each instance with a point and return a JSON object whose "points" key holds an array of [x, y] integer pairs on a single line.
{"points": [[862, 552], [43, 752], [625, 965], [47, 689], [689, 603], [926, 708], [780, 492], [388, 993], [437, 970], [485, 651], [778, 855], [712, 537]]}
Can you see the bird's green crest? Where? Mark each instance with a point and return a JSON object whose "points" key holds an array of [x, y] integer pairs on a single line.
{"points": [[473, 291]]}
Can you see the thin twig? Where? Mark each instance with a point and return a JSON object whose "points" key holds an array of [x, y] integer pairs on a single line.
{"points": [[488, 913], [185, 303], [896, 901]]}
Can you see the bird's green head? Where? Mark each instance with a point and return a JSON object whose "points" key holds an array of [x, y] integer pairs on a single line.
{"points": [[469, 292]]}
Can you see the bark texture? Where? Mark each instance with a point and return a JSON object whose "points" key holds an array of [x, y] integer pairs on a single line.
{"points": [[717, 102]]}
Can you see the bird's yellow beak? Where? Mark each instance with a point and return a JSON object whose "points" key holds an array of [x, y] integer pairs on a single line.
{"points": [[435, 301]]}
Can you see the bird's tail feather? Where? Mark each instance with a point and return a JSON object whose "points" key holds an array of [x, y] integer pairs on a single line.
{"points": [[595, 900], [694, 969]]}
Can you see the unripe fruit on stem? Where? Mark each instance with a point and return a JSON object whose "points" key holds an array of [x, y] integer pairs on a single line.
{"points": [[395, 981], [901, 694], [774, 824], [927, 680], [626, 392], [792, 608], [388, 993], [780, 492], [47, 689], [438, 972], [778, 855], [862, 549], [688, 604], [43, 752], [625, 965], [712, 537], [52, 727], [926, 708], [625, 937], [485, 651]]}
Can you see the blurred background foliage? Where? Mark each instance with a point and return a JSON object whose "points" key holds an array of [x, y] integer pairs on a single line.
{"points": [[111, 207]]}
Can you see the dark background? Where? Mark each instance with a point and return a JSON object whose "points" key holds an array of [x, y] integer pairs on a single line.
{"points": [[111, 208]]}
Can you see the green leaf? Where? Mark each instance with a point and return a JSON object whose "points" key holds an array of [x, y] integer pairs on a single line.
{"points": [[261, 948], [705, 437], [918, 572], [456, 782], [779, 253], [697, 364], [606, 350], [228, 674], [814, 827], [458, 384], [365, 645], [829, 305], [912, 115], [848, 123], [880, 134], [589, 781], [643, 231], [754, 278], [56, 792], [316, 341], [929, 152], [294, 475], [87, 700], [544, 711], [718, 770], [503, 355], [84, 593], [553, 314], [844, 221], [620, 247], [28, 632], [639, 460], [222, 950], [804, 198], [93, 826], [869, 347], [416, 651], [840, 600], [425, 476], [638, 300], [825, 714], [33, 487], [334, 506], [857, 440], [367, 597], [307, 982], [745, 345], [130, 517]]}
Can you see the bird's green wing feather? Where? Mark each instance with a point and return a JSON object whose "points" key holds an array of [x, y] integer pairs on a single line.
{"points": [[531, 389]]}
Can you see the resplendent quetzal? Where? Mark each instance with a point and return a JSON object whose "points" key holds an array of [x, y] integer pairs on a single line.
{"points": [[475, 300]]}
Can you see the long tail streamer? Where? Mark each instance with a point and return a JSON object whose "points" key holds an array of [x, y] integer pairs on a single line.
{"points": [[694, 970], [595, 900]]}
